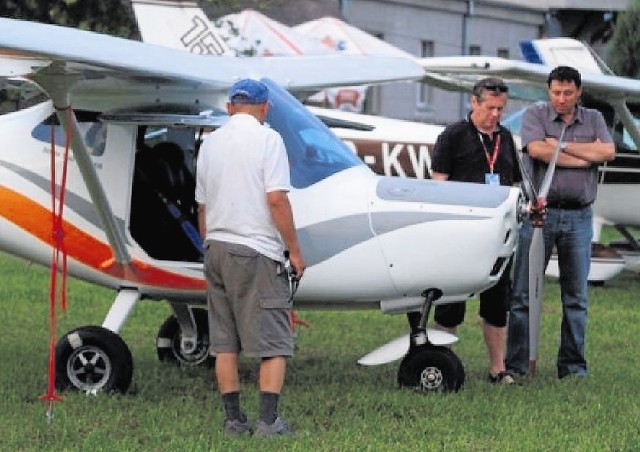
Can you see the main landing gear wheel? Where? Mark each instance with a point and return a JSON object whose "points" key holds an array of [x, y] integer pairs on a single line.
{"points": [[431, 368], [92, 359], [169, 338]]}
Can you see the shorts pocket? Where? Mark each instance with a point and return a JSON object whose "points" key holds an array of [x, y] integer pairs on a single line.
{"points": [[274, 303]]}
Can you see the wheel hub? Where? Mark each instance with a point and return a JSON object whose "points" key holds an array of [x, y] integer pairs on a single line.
{"points": [[198, 354], [430, 379], [89, 368]]}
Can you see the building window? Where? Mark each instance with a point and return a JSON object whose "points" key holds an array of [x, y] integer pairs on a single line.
{"points": [[475, 50], [503, 53], [425, 91]]}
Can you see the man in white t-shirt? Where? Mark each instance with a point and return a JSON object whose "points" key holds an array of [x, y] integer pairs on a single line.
{"points": [[245, 218]]}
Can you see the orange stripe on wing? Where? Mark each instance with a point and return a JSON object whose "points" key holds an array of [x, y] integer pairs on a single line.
{"points": [[82, 247]]}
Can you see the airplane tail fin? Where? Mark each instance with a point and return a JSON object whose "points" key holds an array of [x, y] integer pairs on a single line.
{"points": [[564, 51], [178, 24]]}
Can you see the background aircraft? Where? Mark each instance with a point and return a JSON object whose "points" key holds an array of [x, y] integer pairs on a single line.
{"points": [[370, 241]]}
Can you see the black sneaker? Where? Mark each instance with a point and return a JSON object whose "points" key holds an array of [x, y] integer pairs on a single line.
{"points": [[237, 427], [278, 428], [505, 377]]}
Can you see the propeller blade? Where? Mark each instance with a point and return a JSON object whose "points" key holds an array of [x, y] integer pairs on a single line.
{"points": [[551, 169], [536, 285], [536, 258], [527, 181]]}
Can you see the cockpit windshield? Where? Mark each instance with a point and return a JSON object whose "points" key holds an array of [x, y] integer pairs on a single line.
{"points": [[315, 153]]}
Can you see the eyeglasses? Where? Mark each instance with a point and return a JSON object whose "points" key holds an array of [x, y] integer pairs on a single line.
{"points": [[496, 88]]}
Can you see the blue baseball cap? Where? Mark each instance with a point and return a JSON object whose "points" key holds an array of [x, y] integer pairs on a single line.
{"points": [[248, 91]]}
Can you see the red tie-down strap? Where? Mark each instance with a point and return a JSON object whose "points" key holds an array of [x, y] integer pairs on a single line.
{"points": [[58, 255], [295, 320]]}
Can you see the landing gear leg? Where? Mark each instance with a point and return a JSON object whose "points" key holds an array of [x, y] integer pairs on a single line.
{"points": [[184, 337], [418, 321]]}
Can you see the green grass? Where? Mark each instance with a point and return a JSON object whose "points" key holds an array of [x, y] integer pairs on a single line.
{"points": [[332, 402]]}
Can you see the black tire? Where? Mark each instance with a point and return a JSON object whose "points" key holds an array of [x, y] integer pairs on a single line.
{"points": [[168, 342], [92, 359], [431, 369]]}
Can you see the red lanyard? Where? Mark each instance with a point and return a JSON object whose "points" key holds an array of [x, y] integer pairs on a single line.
{"points": [[496, 150]]}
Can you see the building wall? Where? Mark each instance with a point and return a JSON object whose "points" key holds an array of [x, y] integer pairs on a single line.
{"points": [[491, 25], [407, 23]]}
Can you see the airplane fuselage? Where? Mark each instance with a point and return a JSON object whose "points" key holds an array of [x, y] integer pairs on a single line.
{"points": [[369, 240]]}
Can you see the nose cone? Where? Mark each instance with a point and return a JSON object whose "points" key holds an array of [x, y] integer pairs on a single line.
{"points": [[448, 235]]}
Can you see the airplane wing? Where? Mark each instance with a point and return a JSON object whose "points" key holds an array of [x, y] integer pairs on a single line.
{"points": [[460, 72], [105, 65]]}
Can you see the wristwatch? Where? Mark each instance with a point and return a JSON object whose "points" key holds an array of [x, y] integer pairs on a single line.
{"points": [[563, 146]]}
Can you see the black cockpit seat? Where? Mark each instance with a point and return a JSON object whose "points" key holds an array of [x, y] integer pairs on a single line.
{"points": [[163, 209]]}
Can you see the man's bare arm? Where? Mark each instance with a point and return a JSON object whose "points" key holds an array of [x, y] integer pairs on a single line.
{"points": [[592, 152], [543, 150], [282, 215], [439, 176], [575, 154], [202, 224]]}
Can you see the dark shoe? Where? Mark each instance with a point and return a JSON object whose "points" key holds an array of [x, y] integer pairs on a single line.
{"points": [[573, 376], [278, 428], [237, 427], [505, 377]]}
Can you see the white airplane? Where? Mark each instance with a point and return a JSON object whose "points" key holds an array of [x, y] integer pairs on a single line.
{"points": [[389, 146], [370, 241]]}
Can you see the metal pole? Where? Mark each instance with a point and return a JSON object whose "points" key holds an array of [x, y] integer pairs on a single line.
{"points": [[465, 48]]}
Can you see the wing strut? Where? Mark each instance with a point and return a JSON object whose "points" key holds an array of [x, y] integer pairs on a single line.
{"points": [[57, 83], [620, 106]]}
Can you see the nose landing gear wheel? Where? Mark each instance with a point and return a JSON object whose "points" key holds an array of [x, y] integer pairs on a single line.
{"points": [[431, 369]]}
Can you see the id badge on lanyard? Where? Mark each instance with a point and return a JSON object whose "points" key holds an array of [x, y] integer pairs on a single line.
{"points": [[491, 178]]}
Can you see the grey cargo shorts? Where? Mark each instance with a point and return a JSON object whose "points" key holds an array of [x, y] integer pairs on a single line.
{"points": [[249, 302]]}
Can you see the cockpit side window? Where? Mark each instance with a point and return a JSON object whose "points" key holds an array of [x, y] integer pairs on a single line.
{"points": [[94, 131]]}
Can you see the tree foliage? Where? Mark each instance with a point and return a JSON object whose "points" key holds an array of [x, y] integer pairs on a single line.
{"points": [[113, 17], [624, 50]]}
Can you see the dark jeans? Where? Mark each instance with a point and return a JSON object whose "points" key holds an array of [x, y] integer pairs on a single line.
{"points": [[571, 232]]}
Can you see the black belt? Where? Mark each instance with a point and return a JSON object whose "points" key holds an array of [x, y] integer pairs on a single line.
{"points": [[568, 205]]}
